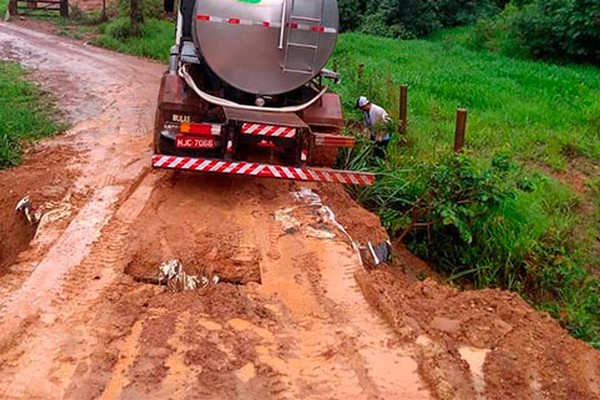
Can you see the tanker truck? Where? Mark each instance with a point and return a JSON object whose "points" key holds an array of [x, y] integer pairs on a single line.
{"points": [[246, 92]]}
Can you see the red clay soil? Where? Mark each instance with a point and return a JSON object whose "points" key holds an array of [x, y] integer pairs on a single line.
{"points": [[44, 177], [362, 225], [273, 340], [213, 247], [529, 355]]}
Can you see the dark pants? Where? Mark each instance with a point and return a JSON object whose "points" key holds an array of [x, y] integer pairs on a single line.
{"points": [[381, 148]]}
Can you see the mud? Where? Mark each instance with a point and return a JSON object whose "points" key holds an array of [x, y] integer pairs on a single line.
{"points": [[77, 324], [486, 344], [46, 179], [195, 227], [272, 339], [362, 225]]}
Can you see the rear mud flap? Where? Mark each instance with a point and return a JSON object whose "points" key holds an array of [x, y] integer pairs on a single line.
{"points": [[263, 170]]}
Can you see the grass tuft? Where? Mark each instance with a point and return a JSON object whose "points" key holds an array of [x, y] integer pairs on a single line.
{"points": [[156, 38], [26, 113]]}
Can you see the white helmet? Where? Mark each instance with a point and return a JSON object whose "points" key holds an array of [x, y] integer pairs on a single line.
{"points": [[362, 101]]}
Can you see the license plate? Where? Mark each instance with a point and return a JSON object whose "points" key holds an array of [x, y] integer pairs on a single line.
{"points": [[186, 142]]}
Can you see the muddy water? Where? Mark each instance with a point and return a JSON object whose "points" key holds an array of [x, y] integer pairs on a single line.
{"points": [[475, 357], [343, 348]]}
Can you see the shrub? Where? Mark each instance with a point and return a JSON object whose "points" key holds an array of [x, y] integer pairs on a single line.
{"points": [[494, 34], [561, 30], [491, 225], [412, 18], [120, 29], [351, 14], [375, 24], [463, 12]]}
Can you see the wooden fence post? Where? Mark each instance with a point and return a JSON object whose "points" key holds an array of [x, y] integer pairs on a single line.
{"points": [[403, 109], [361, 70], [461, 127], [64, 8], [12, 7]]}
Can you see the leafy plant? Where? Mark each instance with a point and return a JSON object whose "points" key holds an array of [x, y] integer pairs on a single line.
{"points": [[121, 29]]}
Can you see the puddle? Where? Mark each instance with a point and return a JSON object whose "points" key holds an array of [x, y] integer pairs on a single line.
{"points": [[128, 354], [475, 357]]}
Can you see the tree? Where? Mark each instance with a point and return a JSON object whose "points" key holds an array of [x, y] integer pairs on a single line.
{"points": [[136, 17], [351, 14]]}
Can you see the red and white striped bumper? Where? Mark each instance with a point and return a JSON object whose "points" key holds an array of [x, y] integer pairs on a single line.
{"points": [[263, 170], [268, 130]]}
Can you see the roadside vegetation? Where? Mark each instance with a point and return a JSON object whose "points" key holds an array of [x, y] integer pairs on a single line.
{"points": [[518, 209], [26, 113], [410, 19], [154, 41], [504, 213], [152, 37], [558, 30]]}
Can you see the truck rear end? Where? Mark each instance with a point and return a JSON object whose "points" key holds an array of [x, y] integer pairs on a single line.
{"points": [[244, 93]]}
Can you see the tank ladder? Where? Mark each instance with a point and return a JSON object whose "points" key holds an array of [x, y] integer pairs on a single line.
{"points": [[311, 46]]}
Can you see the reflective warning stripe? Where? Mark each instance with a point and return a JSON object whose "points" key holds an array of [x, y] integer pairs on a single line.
{"points": [[263, 170], [329, 140], [268, 130], [265, 24]]}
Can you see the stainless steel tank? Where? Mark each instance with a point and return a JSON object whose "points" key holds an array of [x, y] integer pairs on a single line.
{"points": [[246, 45]]}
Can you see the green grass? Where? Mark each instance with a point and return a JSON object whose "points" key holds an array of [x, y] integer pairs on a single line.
{"points": [[541, 113], [26, 113], [155, 41]]}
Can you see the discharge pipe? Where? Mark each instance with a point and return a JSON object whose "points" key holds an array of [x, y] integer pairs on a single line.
{"points": [[230, 104]]}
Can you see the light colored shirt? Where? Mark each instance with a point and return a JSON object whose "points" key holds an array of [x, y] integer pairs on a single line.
{"points": [[374, 117]]}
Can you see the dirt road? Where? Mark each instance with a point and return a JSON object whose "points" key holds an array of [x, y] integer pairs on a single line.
{"points": [[80, 327], [81, 317]]}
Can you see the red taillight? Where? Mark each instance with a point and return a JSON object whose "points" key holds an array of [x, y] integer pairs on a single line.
{"points": [[192, 128], [266, 143]]}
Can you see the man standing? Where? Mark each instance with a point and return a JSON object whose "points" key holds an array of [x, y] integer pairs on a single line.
{"points": [[376, 121]]}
